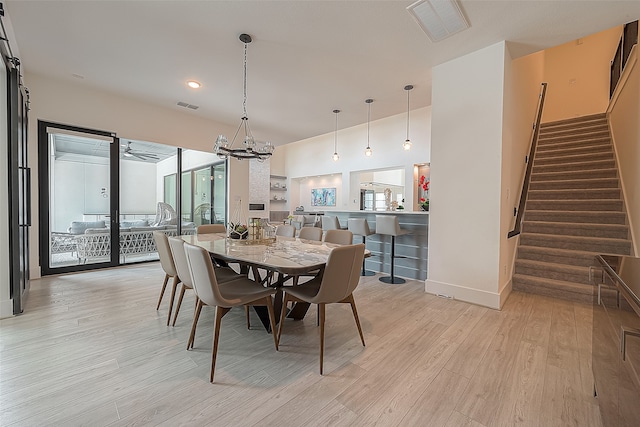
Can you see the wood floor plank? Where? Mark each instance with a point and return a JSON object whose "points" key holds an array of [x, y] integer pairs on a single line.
{"points": [[434, 407], [91, 349]]}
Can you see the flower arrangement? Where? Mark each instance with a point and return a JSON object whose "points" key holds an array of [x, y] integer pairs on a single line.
{"points": [[424, 204], [424, 183], [424, 201], [237, 230]]}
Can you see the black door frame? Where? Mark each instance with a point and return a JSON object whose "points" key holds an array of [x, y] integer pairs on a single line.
{"points": [[44, 197]]}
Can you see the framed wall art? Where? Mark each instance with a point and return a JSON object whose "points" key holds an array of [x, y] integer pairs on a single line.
{"points": [[323, 197]]}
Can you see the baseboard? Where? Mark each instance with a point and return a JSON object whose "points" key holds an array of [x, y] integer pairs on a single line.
{"points": [[475, 296], [35, 273], [6, 308]]}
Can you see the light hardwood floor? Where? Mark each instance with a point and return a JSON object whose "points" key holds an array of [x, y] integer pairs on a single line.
{"points": [[92, 350]]}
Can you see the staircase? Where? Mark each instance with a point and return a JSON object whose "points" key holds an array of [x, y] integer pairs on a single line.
{"points": [[574, 210]]}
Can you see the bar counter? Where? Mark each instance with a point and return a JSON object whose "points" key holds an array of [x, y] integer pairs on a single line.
{"points": [[413, 246]]}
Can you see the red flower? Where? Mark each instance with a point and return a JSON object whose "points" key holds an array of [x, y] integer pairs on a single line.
{"points": [[422, 200], [422, 178]]}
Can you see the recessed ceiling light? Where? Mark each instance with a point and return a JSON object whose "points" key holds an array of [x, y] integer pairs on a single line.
{"points": [[193, 84]]}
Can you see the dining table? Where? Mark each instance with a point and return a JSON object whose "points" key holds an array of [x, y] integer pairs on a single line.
{"points": [[288, 256]]}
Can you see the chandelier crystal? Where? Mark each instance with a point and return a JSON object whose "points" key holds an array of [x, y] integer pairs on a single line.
{"points": [[250, 149]]}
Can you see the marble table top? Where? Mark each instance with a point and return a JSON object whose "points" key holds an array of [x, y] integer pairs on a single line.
{"points": [[285, 255]]}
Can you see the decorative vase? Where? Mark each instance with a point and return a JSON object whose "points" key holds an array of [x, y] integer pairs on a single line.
{"points": [[424, 207]]}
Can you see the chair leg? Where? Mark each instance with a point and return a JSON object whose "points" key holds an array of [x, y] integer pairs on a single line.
{"points": [[321, 308], [196, 316], [272, 320], [176, 280], [164, 286], [246, 312], [283, 313], [175, 315], [352, 302], [220, 311]]}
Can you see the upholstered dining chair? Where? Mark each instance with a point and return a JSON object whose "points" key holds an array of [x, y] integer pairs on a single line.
{"points": [[339, 237], [223, 296], [286, 230], [223, 274], [310, 233], [169, 267], [340, 279], [211, 228]]}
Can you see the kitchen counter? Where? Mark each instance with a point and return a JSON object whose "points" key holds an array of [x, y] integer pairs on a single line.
{"points": [[413, 246]]}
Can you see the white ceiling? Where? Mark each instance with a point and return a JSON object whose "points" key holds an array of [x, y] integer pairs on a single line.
{"points": [[306, 59]]}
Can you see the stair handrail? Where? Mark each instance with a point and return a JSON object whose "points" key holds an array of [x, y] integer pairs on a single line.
{"points": [[529, 161]]}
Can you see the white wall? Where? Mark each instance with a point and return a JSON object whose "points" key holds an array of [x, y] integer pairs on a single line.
{"points": [[465, 191], [75, 104], [6, 303], [625, 128], [523, 78], [312, 157], [578, 75]]}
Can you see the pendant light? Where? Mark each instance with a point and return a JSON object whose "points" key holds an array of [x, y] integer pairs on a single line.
{"points": [[250, 150], [368, 152], [407, 142], [335, 156]]}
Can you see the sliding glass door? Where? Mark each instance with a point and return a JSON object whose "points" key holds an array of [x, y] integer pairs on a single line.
{"points": [[78, 205], [103, 197]]}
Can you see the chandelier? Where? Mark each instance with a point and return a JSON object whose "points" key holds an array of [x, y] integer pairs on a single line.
{"points": [[250, 150]]}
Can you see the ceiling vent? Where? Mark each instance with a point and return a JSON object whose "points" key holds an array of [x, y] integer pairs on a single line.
{"points": [[438, 18], [185, 105]]}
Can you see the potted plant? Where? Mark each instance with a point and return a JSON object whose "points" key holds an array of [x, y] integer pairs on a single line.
{"points": [[424, 204], [237, 231]]}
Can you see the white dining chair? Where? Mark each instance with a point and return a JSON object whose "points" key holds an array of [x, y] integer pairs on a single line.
{"points": [[223, 296], [169, 267], [340, 278]]}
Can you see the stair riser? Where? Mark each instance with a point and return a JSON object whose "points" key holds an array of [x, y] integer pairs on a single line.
{"points": [[575, 159], [574, 260], [561, 242], [568, 229], [577, 217], [519, 285], [575, 205], [582, 166], [583, 194], [561, 152], [578, 121], [556, 275], [611, 183], [550, 137], [571, 175], [587, 143], [570, 131]]}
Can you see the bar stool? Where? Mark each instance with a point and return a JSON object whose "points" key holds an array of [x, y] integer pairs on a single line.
{"points": [[330, 223], [360, 227], [388, 225]]}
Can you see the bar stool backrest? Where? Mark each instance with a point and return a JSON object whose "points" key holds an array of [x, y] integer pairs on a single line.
{"points": [[388, 225]]}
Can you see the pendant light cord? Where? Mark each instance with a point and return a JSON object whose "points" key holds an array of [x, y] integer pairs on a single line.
{"points": [[368, 122], [244, 83], [335, 140], [408, 90]]}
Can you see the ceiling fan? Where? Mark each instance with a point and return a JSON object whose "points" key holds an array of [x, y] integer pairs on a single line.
{"points": [[130, 152]]}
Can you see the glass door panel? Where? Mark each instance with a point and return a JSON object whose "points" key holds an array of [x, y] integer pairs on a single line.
{"points": [[202, 180], [78, 177], [147, 198], [219, 190]]}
